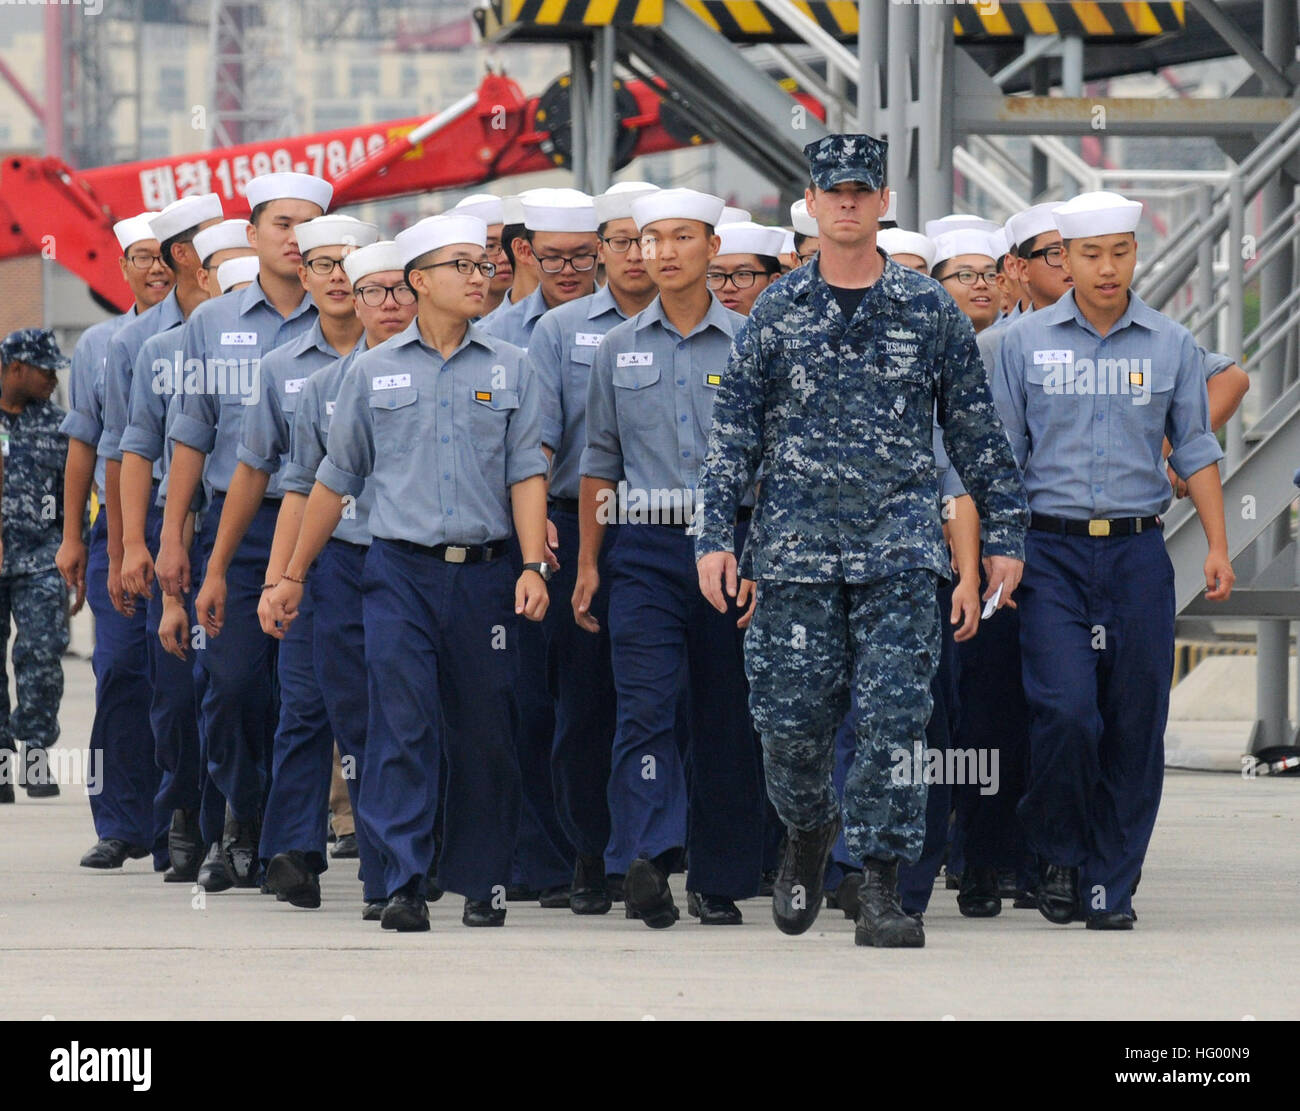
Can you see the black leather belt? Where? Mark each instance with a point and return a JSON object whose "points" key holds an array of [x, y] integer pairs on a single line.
{"points": [[1098, 526], [454, 553], [565, 505]]}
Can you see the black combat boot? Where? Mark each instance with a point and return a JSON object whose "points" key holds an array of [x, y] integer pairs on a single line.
{"points": [[800, 881], [881, 921]]}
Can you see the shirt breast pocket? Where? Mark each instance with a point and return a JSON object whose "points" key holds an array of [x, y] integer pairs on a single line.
{"points": [[636, 404], [396, 418], [1150, 394], [1046, 402]]}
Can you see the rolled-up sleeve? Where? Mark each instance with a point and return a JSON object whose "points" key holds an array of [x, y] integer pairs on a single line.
{"points": [[84, 418], [603, 455], [1187, 424], [546, 361], [117, 385], [307, 444], [350, 446], [264, 431], [524, 456], [197, 411], [150, 393]]}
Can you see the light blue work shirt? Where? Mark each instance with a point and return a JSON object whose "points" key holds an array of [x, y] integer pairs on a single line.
{"points": [[515, 323], [441, 440], [120, 366], [85, 417], [158, 368], [1087, 414], [224, 342]]}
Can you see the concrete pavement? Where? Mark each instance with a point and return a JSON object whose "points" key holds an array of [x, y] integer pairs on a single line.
{"points": [[1218, 906]]}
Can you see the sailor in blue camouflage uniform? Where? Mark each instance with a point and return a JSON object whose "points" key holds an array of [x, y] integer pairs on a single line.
{"points": [[223, 343], [1089, 389], [649, 405], [32, 592], [385, 305], [833, 387], [123, 810], [560, 352]]}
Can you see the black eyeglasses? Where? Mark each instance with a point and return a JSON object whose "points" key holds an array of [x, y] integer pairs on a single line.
{"points": [[1053, 255], [618, 243], [465, 267], [323, 266], [143, 261], [741, 279], [808, 257], [376, 295], [970, 277], [554, 264]]}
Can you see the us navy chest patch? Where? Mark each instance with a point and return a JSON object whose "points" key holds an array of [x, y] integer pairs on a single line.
{"points": [[899, 341], [634, 358], [390, 381]]}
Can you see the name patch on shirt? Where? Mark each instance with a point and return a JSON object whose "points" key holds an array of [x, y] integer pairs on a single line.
{"points": [[1048, 357], [634, 358], [390, 381], [588, 339], [239, 339], [294, 385], [329, 408]]}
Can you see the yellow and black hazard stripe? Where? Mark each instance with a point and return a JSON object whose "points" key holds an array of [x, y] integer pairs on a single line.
{"points": [[1089, 20], [545, 18], [745, 21]]}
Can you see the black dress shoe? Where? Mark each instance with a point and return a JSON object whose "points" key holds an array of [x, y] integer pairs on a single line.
{"points": [[184, 845], [881, 921], [978, 896], [406, 914], [373, 911], [214, 872], [239, 843], [767, 884], [554, 898], [39, 780], [1008, 884], [845, 897], [109, 852], [1058, 893], [797, 893], [645, 889], [481, 912], [713, 910], [1025, 900], [345, 848], [287, 874], [173, 876], [589, 892], [1111, 920], [521, 893]]}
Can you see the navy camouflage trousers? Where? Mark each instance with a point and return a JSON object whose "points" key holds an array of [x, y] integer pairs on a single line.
{"points": [[809, 646], [37, 604]]}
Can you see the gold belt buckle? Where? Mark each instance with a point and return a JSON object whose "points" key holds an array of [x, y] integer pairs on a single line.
{"points": [[455, 553], [1098, 527]]}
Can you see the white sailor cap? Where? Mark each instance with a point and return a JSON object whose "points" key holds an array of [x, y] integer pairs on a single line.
{"points": [[564, 210], [732, 215], [803, 223], [372, 259], [681, 204], [439, 231], [957, 222], [1100, 213], [896, 241], [224, 236], [186, 213], [333, 231], [235, 270], [512, 209], [748, 238], [488, 207], [132, 230], [787, 243], [288, 186], [615, 203], [1023, 226], [967, 241]]}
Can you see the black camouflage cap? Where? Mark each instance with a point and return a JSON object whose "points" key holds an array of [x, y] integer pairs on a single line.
{"points": [[33, 346], [837, 158]]}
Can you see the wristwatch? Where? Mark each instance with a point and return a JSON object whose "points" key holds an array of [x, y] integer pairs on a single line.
{"points": [[543, 569]]}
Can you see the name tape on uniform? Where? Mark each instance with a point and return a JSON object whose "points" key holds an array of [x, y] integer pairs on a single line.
{"points": [[329, 408], [294, 385], [588, 339], [1042, 358], [634, 358], [390, 381], [239, 339]]}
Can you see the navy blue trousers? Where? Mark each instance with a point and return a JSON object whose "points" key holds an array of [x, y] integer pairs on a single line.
{"points": [[1097, 645], [579, 662], [441, 662], [121, 740], [340, 659], [240, 703], [664, 633]]}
